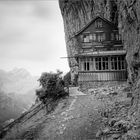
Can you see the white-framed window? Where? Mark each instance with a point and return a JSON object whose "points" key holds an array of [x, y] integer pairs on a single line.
{"points": [[118, 63], [102, 63], [105, 63], [114, 63], [110, 63], [94, 37], [86, 38], [101, 37], [90, 36], [120, 38], [98, 63], [86, 64]]}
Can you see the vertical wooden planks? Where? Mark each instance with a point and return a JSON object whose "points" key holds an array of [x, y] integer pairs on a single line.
{"points": [[102, 76]]}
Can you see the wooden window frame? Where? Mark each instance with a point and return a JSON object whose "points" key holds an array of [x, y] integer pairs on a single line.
{"points": [[98, 24], [105, 63], [117, 36], [94, 37], [101, 37], [86, 38], [90, 37], [86, 64], [112, 36], [117, 63], [101, 63]]}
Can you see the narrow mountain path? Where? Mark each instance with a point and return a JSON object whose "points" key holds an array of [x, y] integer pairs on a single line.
{"points": [[73, 91], [80, 121]]}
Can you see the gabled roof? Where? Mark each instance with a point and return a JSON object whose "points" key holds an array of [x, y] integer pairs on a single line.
{"points": [[93, 20]]}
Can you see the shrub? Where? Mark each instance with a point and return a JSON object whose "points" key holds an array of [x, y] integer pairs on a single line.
{"points": [[67, 79], [52, 86]]}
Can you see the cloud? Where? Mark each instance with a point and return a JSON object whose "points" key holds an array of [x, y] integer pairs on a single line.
{"points": [[31, 35], [42, 10]]}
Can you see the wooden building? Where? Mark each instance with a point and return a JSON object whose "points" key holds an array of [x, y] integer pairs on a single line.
{"points": [[101, 56]]}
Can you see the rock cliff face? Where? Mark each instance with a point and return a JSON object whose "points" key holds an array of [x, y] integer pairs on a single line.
{"points": [[76, 14], [124, 13]]}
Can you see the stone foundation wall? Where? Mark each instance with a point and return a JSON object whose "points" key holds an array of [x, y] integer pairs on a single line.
{"points": [[85, 86]]}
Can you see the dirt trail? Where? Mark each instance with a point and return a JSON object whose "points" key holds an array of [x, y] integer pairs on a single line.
{"points": [[75, 92], [80, 121]]}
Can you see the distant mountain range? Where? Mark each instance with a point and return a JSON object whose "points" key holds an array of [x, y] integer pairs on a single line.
{"points": [[17, 93], [18, 81]]}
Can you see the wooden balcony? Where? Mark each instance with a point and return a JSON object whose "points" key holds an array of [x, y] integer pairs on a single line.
{"points": [[96, 43], [101, 46]]}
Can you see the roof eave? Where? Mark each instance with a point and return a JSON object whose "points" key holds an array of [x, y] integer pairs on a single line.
{"points": [[86, 26]]}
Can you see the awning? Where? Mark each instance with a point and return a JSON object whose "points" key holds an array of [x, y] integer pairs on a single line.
{"points": [[102, 53]]}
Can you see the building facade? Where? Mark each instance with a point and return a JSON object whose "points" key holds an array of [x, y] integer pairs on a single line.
{"points": [[101, 56]]}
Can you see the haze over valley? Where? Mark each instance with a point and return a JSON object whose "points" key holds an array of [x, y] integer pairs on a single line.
{"points": [[17, 92]]}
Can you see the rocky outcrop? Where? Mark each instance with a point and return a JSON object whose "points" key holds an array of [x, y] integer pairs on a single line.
{"points": [[76, 14], [126, 15]]}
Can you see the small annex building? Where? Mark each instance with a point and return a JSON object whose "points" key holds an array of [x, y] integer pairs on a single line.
{"points": [[101, 56]]}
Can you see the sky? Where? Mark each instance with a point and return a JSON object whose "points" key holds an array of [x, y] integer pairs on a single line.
{"points": [[32, 36]]}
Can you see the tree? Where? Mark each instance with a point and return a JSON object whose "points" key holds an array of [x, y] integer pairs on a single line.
{"points": [[52, 86], [67, 79]]}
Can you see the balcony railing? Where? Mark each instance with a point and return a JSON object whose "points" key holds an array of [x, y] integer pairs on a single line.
{"points": [[95, 43], [102, 53]]}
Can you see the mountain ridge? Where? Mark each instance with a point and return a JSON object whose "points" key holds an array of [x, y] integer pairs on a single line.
{"points": [[17, 93]]}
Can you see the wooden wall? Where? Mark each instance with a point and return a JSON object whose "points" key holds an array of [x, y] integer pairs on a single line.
{"points": [[103, 76]]}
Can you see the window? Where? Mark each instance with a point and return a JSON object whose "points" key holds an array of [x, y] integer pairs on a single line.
{"points": [[86, 38], [101, 63], [115, 36], [105, 63], [98, 63], [98, 24], [112, 36], [86, 64], [118, 63], [94, 37], [120, 38], [90, 36], [114, 63], [122, 63], [101, 37]]}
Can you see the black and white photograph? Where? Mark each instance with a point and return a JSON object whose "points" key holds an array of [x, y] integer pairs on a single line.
{"points": [[69, 69]]}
